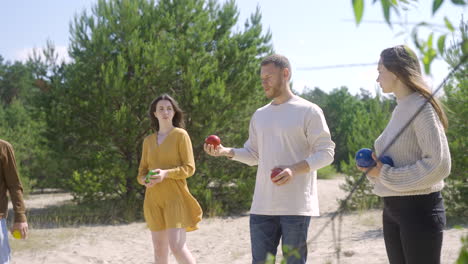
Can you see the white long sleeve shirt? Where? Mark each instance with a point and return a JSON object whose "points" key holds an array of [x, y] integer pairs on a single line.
{"points": [[421, 154], [282, 135]]}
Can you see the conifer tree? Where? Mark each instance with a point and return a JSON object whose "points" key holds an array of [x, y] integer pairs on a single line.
{"points": [[124, 54]]}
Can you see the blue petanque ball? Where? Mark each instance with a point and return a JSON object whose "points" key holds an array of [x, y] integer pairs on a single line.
{"points": [[364, 158], [387, 160]]}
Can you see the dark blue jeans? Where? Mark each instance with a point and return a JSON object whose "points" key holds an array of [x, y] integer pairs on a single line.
{"points": [[266, 231], [413, 228]]}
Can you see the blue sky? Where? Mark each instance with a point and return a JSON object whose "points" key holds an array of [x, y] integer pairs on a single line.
{"points": [[311, 33]]}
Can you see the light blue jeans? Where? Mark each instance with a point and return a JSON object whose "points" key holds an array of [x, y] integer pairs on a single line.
{"points": [[4, 246]]}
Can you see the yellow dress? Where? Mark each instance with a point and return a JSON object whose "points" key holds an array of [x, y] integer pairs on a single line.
{"points": [[169, 204]]}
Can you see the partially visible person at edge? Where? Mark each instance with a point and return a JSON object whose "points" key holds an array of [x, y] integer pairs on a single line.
{"points": [[11, 183], [170, 210], [289, 133], [413, 214]]}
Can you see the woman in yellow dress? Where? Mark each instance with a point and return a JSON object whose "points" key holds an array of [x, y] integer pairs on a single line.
{"points": [[169, 209]]}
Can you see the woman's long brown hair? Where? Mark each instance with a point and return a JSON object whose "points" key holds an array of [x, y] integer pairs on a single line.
{"points": [[403, 62]]}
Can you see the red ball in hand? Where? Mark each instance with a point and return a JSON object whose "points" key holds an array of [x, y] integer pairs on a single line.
{"points": [[275, 172], [213, 140]]}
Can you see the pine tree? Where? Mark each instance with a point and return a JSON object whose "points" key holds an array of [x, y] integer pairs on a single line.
{"points": [[126, 53]]}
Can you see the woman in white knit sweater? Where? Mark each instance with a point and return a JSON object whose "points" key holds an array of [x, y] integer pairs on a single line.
{"points": [[414, 214]]}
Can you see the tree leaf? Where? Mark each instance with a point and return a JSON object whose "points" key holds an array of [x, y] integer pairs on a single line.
{"points": [[441, 44], [386, 10], [459, 2], [429, 54], [427, 64], [465, 47], [414, 35], [436, 5], [358, 7], [400, 33], [430, 40], [448, 24], [421, 24]]}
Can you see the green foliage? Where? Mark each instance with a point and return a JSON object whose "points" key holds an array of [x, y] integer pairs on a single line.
{"points": [[223, 187], [436, 5], [327, 172], [463, 257], [362, 198], [459, 2], [387, 6], [429, 53], [425, 47], [354, 122], [456, 104], [125, 53], [18, 129], [455, 100], [288, 253], [358, 7], [448, 24], [337, 110], [340, 112], [111, 211], [15, 81], [21, 124]]}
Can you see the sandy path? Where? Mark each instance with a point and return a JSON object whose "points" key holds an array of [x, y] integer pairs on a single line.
{"points": [[219, 240]]}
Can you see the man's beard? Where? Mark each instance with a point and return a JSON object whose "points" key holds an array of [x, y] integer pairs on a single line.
{"points": [[276, 90]]}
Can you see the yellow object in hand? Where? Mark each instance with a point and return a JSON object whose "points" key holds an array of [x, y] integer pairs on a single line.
{"points": [[17, 234]]}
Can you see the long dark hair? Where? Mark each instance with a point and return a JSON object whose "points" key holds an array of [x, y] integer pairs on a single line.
{"points": [[403, 62], [177, 121]]}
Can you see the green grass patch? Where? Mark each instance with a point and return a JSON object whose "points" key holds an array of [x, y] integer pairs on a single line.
{"points": [[91, 213]]}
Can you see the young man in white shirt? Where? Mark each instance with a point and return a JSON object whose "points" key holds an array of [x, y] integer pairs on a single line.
{"points": [[289, 133]]}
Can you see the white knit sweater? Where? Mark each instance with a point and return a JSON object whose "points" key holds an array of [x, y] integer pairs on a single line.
{"points": [[421, 154]]}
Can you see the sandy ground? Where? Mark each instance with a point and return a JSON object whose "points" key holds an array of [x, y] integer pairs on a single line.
{"points": [[219, 240]]}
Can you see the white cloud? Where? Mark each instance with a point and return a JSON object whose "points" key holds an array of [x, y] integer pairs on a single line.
{"points": [[25, 53]]}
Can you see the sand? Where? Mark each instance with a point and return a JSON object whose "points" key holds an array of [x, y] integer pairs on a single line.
{"points": [[219, 240]]}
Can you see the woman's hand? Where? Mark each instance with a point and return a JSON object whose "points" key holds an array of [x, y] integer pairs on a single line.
{"points": [[155, 179], [374, 171]]}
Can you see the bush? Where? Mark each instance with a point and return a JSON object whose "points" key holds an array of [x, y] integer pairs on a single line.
{"points": [[455, 195], [327, 172], [362, 198], [97, 114], [463, 257], [223, 187]]}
